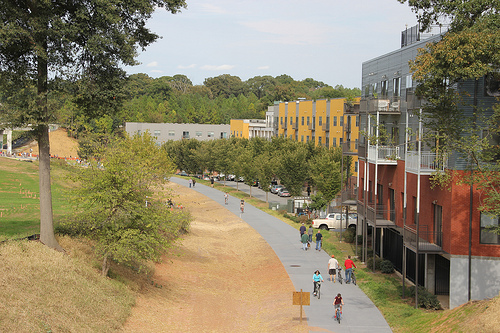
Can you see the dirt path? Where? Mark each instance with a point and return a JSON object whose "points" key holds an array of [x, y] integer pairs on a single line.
{"points": [[221, 277]]}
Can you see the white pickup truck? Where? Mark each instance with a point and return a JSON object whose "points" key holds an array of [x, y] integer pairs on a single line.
{"points": [[332, 221]]}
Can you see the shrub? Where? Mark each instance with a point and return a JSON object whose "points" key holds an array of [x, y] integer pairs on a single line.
{"points": [[425, 298], [386, 267], [369, 263], [360, 239], [349, 235]]}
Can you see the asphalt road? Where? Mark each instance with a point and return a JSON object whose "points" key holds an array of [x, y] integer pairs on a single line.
{"points": [[359, 312]]}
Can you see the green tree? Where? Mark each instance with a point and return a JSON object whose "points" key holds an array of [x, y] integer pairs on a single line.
{"points": [[470, 50], [225, 85], [324, 169], [293, 167], [85, 41], [120, 205]]}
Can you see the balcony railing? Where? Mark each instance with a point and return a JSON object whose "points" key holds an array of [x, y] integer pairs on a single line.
{"points": [[383, 154], [382, 105], [428, 240], [295, 125], [326, 127], [429, 162], [351, 109], [349, 196], [349, 148], [311, 126]]}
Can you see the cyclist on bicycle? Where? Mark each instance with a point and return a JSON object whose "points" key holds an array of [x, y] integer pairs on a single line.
{"points": [[317, 278], [226, 196], [337, 303], [242, 205]]}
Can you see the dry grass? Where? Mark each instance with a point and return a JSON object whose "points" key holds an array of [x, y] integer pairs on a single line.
{"points": [[46, 291]]}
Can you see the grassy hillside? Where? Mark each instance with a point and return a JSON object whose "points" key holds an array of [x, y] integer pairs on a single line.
{"points": [[19, 197]]}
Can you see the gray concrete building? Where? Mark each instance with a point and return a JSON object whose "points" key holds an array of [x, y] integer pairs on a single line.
{"points": [[164, 132]]}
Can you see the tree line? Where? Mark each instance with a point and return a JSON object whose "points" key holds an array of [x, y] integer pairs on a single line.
{"points": [[293, 163]]}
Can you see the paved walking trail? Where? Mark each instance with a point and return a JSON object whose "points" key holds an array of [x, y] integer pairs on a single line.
{"points": [[359, 313]]}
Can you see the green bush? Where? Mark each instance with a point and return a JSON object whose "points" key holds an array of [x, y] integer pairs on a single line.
{"points": [[425, 298], [369, 263], [360, 239], [386, 267], [349, 235]]}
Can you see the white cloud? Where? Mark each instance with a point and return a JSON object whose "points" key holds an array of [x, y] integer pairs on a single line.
{"points": [[186, 67], [156, 71], [206, 7], [263, 67], [152, 64], [295, 32], [217, 68]]}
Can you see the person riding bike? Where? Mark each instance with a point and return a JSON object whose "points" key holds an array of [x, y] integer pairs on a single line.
{"points": [[317, 278], [337, 303], [226, 197], [242, 205]]}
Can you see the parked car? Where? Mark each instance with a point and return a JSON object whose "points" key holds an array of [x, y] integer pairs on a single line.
{"points": [[231, 177], [182, 173], [276, 188], [332, 221], [283, 193]]}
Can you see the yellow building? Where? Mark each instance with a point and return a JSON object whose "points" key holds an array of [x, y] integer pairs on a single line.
{"points": [[330, 123], [250, 128], [326, 122]]}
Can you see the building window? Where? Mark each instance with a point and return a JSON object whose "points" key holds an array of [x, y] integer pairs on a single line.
{"points": [[355, 166], [281, 120], [138, 132], [374, 89], [384, 88], [341, 140], [319, 141], [198, 134], [302, 121], [334, 142], [171, 133], [291, 121], [307, 138], [357, 121], [327, 142], [185, 134], [396, 82], [320, 121], [157, 133], [341, 118], [335, 121], [487, 236], [302, 138], [210, 134], [223, 135], [307, 121]]}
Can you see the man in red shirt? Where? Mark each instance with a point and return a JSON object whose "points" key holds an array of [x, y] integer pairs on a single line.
{"points": [[348, 269]]}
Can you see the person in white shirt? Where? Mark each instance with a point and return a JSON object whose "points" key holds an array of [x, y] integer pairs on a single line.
{"points": [[333, 265]]}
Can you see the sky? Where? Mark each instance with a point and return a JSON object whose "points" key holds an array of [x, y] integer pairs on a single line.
{"points": [[327, 40]]}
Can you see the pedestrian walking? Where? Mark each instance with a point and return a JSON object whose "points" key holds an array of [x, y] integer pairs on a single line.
{"points": [[194, 182], [302, 230], [190, 182], [348, 269], [305, 241], [319, 236], [310, 232], [333, 265]]}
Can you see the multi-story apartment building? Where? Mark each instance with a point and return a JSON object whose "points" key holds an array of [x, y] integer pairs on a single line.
{"points": [[251, 128], [436, 237], [331, 123]]}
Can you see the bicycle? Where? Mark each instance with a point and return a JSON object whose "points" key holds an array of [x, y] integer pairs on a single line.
{"points": [[353, 277], [338, 315], [317, 289], [339, 274]]}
